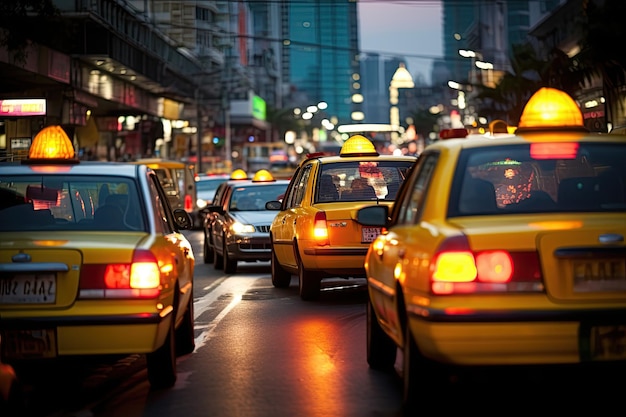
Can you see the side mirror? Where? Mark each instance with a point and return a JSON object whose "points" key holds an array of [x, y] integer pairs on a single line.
{"points": [[183, 219], [273, 205]]}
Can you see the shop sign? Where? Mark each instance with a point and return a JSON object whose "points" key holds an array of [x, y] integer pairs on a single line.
{"points": [[23, 107]]}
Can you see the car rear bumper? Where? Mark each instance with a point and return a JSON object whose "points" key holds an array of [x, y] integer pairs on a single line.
{"points": [[521, 338], [335, 261], [47, 337]]}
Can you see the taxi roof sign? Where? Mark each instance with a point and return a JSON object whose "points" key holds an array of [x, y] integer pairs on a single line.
{"points": [[358, 145], [263, 175], [550, 108], [239, 174], [51, 145]]}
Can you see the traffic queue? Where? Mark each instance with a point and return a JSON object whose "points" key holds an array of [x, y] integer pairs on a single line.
{"points": [[502, 249]]}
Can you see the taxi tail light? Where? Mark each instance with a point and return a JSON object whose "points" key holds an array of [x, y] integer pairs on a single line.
{"points": [[320, 230], [188, 203], [139, 279], [456, 269]]}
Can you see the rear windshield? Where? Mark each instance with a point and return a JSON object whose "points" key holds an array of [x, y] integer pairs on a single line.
{"points": [[57, 202], [540, 178], [360, 180], [253, 198]]}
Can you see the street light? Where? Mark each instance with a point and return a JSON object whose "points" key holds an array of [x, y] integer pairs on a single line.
{"points": [[401, 79], [478, 62]]}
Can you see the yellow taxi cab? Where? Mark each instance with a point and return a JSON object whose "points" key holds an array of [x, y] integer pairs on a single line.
{"points": [[179, 182], [92, 261], [315, 234], [238, 224], [502, 251]]}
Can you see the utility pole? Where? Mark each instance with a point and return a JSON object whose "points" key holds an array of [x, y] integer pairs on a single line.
{"points": [[199, 132]]}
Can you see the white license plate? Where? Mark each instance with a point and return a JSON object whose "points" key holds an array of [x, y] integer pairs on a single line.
{"points": [[29, 344], [608, 342], [600, 275], [28, 289], [368, 234]]}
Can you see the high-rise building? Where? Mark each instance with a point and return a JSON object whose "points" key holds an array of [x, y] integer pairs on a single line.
{"points": [[320, 54], [457, 19]]}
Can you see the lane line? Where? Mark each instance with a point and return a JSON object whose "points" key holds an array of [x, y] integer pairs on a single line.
{"points": [[237, 286]]}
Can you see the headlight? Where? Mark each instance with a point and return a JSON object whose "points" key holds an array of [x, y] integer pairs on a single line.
{"points": [[242, 228]]}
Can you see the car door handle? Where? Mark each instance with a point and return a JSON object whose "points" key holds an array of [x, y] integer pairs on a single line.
{"points": [[401, 253]]}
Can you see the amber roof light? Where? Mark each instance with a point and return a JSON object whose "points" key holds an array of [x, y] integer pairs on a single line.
{"points": [[358, 145], [550, 109], [263, 175], [239, 174], [51, 145]]}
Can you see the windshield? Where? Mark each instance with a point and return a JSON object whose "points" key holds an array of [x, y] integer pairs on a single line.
{"points": [[253, 198], [57, 202]]}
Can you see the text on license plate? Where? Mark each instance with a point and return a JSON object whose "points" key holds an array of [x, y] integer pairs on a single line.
{"points": [[599, 275], [368, 234], [28, 289]]}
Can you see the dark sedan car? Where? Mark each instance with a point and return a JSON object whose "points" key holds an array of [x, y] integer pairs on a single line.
{"points": [[237, 224]]}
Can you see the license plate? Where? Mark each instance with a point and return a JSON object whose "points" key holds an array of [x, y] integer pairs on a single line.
{"points": [[29, 344], [600, 275], [28, 289], [368, 234], [608, 342]]}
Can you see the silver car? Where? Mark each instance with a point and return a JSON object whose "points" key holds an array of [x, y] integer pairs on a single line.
{"points": [[237, 225]]}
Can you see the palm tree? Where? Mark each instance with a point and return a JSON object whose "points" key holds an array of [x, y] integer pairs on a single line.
{"points": [[506, 101], [601, 30], [601, 56]]}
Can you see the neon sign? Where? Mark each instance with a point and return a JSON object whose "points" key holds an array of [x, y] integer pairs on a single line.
{"points": [[23, 107]]}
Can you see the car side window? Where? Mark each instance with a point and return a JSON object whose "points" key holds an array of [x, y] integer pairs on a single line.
{"points": [[164, 221], [219, 194], [298, 191], [413, 199]]}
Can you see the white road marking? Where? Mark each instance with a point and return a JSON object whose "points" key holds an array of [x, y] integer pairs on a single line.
{"points": [[237, 286]]}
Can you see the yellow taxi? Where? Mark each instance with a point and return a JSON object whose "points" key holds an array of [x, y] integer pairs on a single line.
{"points": [[238, 224], [502, 251], [92, 261], [315, 234], [179, 182]]}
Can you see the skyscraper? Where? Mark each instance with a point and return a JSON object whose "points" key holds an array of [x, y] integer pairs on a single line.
{"points": [[320, 53]]}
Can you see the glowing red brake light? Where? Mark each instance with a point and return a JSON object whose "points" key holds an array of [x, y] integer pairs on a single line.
{"points": [[188, 203], [320, 231], [139, 279], [494, 266], [456, 269]]}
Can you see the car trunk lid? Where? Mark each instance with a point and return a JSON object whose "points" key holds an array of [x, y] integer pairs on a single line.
{"points": [[40, 271]]}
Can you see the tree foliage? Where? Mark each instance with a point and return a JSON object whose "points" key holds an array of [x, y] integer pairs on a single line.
{"points": [[599, 58]]}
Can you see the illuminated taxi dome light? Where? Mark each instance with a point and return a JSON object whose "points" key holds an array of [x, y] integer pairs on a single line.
{"points": [[263, 175], [550, 108], [239, 174], [51, 143], [358, 145]]}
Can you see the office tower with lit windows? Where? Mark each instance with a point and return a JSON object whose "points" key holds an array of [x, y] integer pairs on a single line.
{"points": [[320, 53]]}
